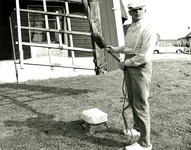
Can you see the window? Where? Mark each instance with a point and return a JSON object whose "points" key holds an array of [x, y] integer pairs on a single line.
{"points": [[38, 21]]}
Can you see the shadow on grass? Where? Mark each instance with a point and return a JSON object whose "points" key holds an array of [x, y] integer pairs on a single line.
{"points": [[46, 123], [71, 130], [35, 92], [46, 89]]}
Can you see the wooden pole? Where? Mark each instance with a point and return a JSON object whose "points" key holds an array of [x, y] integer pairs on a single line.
{"points": [[87, 10], [119, 24], [69, 28], [13, 46], [19, 33], [59, 65], [58, 47], [47, 27], [57, 31], [65, 29], [53, 13], [59, 34]]}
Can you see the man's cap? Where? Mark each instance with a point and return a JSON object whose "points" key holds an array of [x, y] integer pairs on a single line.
{"points": [[136, 4]]}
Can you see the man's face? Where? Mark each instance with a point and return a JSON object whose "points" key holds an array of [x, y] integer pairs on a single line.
{"points": [[137, 14]]}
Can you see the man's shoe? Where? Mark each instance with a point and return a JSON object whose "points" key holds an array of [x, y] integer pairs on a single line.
{"points": [[132, 131], [136, 146]]}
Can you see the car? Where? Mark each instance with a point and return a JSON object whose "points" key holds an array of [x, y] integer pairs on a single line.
{"points": [[187, 50], [164, 47]]}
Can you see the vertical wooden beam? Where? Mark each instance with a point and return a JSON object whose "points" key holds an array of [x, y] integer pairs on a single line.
{"points": [[19, 33], [13, 46], [65, 28], [59, 34], [47, 27], [93, 43], [69, 29], [119, 25], [99, 53]]}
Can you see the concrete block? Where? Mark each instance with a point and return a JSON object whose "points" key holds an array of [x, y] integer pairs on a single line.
{"points": [[95, 128], [94, 116]]}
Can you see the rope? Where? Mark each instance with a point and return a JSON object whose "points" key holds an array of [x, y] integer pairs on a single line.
{"points": [[102, 44], [126, 100]]}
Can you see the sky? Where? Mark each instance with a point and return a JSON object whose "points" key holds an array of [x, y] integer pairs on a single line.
{"points": [[171, 18]]}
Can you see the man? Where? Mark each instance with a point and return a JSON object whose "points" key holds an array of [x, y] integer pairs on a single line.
{"points": [[138, 49]]}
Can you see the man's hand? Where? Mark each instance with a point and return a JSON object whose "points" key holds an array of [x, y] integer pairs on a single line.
{"points": [[111, 49]]}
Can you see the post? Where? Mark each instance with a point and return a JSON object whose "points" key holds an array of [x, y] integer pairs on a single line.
{"points": [[86, 4], [69, 29], [59, 34], [47, 27], [119, 25], [19, 33], [13, 46]]}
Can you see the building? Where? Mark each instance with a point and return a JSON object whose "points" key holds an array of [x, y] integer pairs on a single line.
{"points": [[106, 15], [174, 42], [37, 20], [186, 40]]}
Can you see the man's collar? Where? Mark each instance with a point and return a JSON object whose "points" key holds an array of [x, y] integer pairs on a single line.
{"points": [[138, 23]]}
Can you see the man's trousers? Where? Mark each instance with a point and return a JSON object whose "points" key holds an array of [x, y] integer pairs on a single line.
{"points": [[137, 80]]}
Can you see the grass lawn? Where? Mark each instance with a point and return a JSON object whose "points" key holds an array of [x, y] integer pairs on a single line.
{"points": [[45, 114]]}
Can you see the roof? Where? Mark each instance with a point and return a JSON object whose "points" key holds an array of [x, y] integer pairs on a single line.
{"points": [[188, 35], [168, 39]]}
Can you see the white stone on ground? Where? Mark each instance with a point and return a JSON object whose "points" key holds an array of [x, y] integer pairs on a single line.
{"points": [[94, 116]]}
